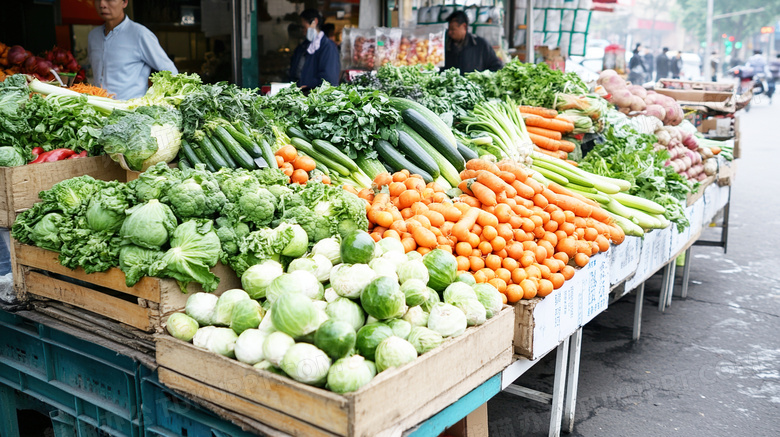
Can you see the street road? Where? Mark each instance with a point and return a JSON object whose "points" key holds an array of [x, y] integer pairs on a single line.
{"points": [[710, 364]]}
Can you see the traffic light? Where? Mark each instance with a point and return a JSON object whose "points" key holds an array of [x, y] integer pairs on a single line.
{"points": [[767, 29], [738, 45], [731, 39]]}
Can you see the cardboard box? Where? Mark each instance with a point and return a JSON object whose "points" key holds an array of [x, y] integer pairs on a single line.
{"points": [[624, 259], [538, 323], [19, 186], [393, 402], [709, 95]]}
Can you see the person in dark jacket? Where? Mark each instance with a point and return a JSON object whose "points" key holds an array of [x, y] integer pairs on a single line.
{"points": [[649, 64], [675, 65], [662, 65], [465, 51], [636, 67], [317, 58]]}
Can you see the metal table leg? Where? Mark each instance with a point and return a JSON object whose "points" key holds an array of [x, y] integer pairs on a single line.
{"points": [[572, 380], [562, 356], [686, 273], [662, 294], [640, 298], [724, 232], [672, 266], [8, 413]]}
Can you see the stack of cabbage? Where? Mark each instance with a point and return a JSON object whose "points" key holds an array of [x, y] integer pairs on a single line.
{"points": [[341, 313]]}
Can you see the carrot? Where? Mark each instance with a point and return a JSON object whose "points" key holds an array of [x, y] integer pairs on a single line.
{"points": [[507, 176], [578, 207], [537, 187], [468, 174], [299, 176], [481, 164], [523, 190], [464, 186], [483, 193], [536, 110], [715, 150], [304, 163], [544, 142], [409, 197], [487, 219], [436, 218], [550, 195], [548, 123], [546, 152], [495, 183], [449, 212], [557, 189], [555, 135], [573, 163], [470, 201], [424, 237], [462, 228], [382, 179], [566, 146]]}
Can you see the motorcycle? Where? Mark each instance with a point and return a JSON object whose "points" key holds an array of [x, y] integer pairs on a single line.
{"points": [[751, 83]]}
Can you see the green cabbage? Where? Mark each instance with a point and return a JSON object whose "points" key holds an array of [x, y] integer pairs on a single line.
{"points": [[335, 338], [394, 352], [223, 310], [258, 277], [416, 292], [249, 346], [148, 225], [181, 326], [306, 363], [246, 314], [349, 374], [383, 299], [346, 310], [447, 320], [200, 306], [424, 339], [295, 314]]}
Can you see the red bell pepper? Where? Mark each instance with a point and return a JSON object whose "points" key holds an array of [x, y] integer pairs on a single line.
{"points": [[37, 150], [53, 155], [83, 154]]}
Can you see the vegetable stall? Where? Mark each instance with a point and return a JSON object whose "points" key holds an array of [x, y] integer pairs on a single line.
{"points": [[330, 246]]}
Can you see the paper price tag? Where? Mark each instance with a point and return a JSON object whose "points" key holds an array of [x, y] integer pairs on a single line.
{"points": [[624, 259], [596, 289]]}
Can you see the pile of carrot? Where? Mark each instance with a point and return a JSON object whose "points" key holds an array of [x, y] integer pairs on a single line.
{"points": [[296, 167], [92, 90], [506, 228], [546, 130]]}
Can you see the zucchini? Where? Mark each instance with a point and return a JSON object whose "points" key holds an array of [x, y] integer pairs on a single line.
{"points": [[433, 135], [189, 153], [235, 150], [409, 147], [202, 158], [294, 132], [328, 149], [388, 168], [184, 164], [245, 141], [267, 153], [398, 162], [400, 104], [447, 170], [308, 149], [371, 167], [466, 153], [213, 155]]}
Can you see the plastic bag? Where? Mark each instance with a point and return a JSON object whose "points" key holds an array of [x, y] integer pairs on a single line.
{"points": [[388, 43], [363, 42]]}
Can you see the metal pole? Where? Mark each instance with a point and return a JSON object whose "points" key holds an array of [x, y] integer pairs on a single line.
{"points": [[236, 40], [529, 32], [708, 48]]}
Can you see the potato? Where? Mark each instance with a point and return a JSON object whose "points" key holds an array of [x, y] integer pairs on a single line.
{"points": [[638, 90]]}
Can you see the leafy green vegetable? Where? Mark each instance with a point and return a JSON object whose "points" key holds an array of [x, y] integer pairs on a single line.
{"points": [[106, 209], [195, 248], [149, 224], [46, 233], [137, 262], [153, 183], [143, 137], [11, 157], [71, 196], [528, 84], [350, 119], [197, 195], [168, 89], [629, 155]]}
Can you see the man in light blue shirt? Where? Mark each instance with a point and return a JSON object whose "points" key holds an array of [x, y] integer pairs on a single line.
{"points": [[123, 53]]}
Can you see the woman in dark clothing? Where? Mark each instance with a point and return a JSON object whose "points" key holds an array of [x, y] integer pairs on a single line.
{"points": [[317, 58]]}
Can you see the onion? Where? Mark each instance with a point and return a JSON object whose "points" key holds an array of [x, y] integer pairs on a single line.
{"points": [[17, 55], [72, 66], [30, 63], [43, 67], [60, 56]]}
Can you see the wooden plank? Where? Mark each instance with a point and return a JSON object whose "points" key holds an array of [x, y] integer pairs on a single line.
{"points": [[19, 186], [319, 407], [524, 326], [467, 417], [126, 312], [35, 257], [281, 421], [429, 375]]}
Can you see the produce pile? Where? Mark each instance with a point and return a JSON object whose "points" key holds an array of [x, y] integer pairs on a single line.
{"points": [[350, 310], [368, 222], [15, 59]]}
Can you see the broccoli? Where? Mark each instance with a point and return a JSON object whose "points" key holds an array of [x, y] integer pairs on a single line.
{"points": [[259, 246], [197, 196], [229, 233], [257, 207], [152, 183], [316, 226], [271, 176], [234, 183]]}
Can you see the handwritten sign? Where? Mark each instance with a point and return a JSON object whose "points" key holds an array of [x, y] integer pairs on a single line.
{"points": [[624, 259]]}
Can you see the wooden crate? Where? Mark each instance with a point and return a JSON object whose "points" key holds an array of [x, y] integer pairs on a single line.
{"points": [[19, 186], [38, 274], [393, 402]]}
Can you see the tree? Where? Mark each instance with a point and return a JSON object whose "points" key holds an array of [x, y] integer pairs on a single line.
{"points": [[694, 17]]}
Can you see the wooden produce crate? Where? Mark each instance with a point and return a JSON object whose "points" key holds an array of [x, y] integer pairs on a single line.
{"points": [[391, 403], [19, 186], [38, 274]]}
